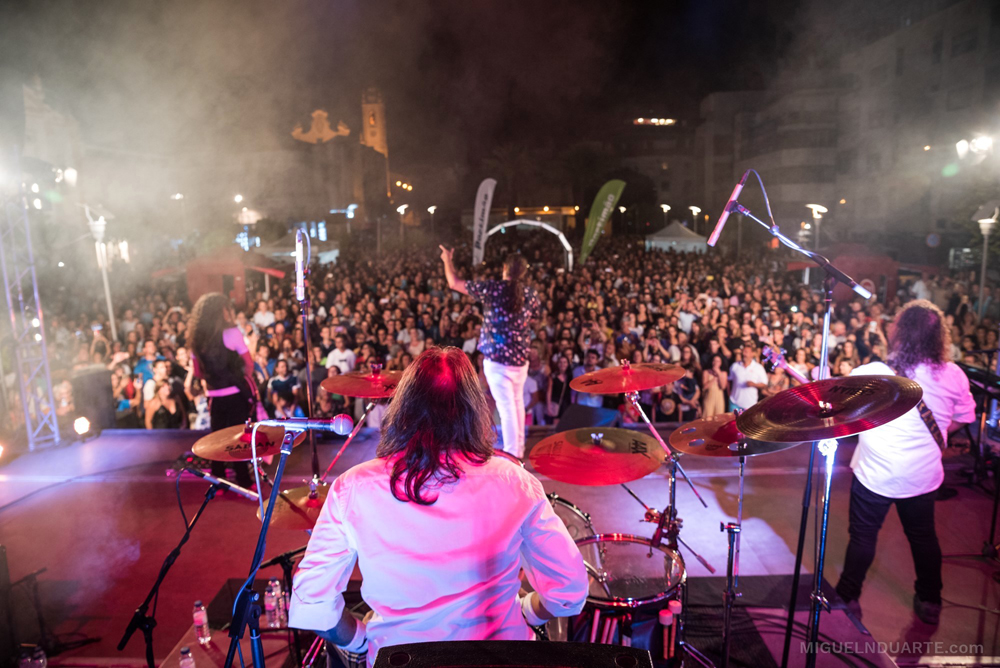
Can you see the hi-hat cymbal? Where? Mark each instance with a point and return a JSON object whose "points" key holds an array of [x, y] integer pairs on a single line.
{"points": [[718, 436], [831, 408], [298, 508], [627, 378], [364, 385], [597, 456], [232, 444]]}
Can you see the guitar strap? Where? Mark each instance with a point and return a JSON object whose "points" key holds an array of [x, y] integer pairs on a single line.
{"points": [[932, 426]]}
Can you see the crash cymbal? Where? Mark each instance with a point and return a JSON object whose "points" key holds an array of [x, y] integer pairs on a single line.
{"points": [[297, 508], [232, 444], [597, 456], [718, 436], [366, 385], [627, 378], [831, 408]]}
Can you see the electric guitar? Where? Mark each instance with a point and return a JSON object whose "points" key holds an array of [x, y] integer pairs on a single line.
{"points": [[775, 357]]}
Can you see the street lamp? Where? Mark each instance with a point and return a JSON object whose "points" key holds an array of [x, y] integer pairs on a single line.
{"points": [[818, 210], [97, 228], [666, 210], [695, 210], [431, 210], [986, 224]]}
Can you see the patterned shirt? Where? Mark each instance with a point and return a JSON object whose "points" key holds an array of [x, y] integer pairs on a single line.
{"points": [[505, 336]]}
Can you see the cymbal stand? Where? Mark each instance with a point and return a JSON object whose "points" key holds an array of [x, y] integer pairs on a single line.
{"points": [[633, 397], [246, 609], [734, 530]]}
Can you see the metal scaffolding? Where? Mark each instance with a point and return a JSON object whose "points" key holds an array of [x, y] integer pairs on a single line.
{"points": [[31, 360]]}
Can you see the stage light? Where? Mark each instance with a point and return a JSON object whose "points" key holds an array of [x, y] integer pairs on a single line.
{"points": [[61, 264], [517, 209], [69, 174], [177, 196], [399, 183], [843, 201], [576, 208], [35, 188], [622, 209], [238, 199], [545, 208], [981, 144], [81, 425], [962, 147], [37, 203], [35, 322], [927, 148]]}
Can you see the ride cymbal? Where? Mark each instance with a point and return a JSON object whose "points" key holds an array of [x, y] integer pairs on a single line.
{"points": [[298, 508], [597, 456], [627, 378], [365, 385], [831, 408], [718, 436], [232, 444]]}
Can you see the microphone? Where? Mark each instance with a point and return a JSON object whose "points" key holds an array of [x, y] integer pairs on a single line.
{"points": [[300, 274], [253, 496], [341, 425], [712, 240]]}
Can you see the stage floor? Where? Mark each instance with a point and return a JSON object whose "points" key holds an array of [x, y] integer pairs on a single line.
{"points": [[101, 516]]}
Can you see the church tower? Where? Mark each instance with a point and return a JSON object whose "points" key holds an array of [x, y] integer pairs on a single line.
{"points": [[373, 132]]}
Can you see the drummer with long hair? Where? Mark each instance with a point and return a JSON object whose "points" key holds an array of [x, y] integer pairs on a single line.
{"points": [[222, 360], [439, 528]]}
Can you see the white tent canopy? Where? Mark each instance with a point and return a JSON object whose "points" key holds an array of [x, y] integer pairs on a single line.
{"points": [[677, 237], [544, 226]]}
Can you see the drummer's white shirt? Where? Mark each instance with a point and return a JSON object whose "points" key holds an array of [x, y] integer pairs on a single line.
{"points": [[901, 459], [448, 571]]}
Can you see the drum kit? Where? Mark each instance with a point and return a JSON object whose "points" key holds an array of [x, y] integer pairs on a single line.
{"points": [[625, 578]]}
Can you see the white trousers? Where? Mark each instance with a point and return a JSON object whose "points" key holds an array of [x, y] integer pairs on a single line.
{"points": [[507, 387]]}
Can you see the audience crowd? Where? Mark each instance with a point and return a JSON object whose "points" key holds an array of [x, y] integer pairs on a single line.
{"points": [[704, 312]]}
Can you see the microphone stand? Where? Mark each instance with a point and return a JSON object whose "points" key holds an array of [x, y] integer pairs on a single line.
{"points": [[304, 312], [828, 448], [140, 620], [246, 610]]}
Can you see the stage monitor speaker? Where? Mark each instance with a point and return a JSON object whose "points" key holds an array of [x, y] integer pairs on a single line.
{"points": [[511, 654], [93, 396], [580, 417]]}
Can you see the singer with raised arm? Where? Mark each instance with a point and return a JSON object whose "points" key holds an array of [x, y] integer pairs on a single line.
{"points": [[509, 305], [222, 359], [437, 566]]}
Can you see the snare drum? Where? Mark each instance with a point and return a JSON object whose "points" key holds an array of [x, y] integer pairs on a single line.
{"points": [[625, 572], [577, 522]]}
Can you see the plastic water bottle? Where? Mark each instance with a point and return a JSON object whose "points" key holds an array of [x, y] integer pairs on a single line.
{"points": [[187, 661], [274, 603], [201, 625]]}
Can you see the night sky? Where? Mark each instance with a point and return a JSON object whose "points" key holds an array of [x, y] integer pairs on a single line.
{"points": [[459, 77]]}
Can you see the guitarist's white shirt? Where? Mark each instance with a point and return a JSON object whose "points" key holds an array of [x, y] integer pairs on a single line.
{"points": [[901, 459]]}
